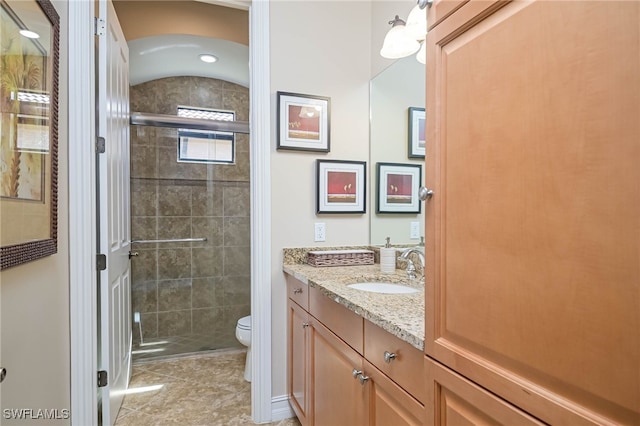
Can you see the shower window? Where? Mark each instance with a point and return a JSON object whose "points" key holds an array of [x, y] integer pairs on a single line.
{"points": [[206, 146]]}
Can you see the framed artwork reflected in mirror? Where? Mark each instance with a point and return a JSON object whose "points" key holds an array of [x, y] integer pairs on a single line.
{"points": [[29, 67]]}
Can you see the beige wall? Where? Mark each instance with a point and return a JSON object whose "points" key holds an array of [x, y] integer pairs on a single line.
{"points": [[325, 50], [34, 306]]}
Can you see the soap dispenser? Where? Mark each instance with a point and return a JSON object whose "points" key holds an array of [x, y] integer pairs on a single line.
{"points": [[387, 258]]}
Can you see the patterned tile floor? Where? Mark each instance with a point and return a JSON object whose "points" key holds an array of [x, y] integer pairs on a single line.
{"points": [[198, 390]]}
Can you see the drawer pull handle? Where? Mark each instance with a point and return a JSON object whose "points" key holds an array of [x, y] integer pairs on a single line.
{"points": [[363, 379], [389, 356], [297, 290], [305, 324], [357, 374]]}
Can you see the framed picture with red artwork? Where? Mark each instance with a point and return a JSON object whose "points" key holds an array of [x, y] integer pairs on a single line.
{"points": [[341, 186], [397, 188], [303, 122]]}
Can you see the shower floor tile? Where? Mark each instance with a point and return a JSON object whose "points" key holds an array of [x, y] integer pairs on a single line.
{"points": [[198, 390], [160, 348]]}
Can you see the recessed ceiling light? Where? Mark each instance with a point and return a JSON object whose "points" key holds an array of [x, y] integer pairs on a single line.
{"points": [[29, 34], [208, 58]]}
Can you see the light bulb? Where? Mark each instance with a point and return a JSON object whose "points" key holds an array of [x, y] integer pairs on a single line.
{"points": [[421, 56], [417, 23], [29, 34], [205, 57]]}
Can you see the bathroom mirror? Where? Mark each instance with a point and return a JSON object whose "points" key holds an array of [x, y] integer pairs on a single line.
{"points": [[392, 92], [29, 61]]}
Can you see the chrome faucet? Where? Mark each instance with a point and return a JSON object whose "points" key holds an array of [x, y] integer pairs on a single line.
{"points": [[411, 269]]}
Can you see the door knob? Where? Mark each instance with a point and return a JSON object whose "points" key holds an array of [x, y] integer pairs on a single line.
{"points": [[425, 193], [3, 374], [132, 254]]}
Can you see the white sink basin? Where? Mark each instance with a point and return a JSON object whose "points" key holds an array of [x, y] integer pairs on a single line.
{"points": [[386, 288]]}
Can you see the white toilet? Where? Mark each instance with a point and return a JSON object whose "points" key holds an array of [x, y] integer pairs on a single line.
{"points": [[243, 334]]}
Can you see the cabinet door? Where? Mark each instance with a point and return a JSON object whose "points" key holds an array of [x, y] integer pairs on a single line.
{"points": [[457, 401], [389, 404], [440, 9], [338, 397], [533, 236], [299, 383]]}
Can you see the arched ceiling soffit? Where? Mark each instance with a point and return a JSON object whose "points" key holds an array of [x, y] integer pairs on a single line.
{"points": [[147, 18], [175, 55], [165, 39]]}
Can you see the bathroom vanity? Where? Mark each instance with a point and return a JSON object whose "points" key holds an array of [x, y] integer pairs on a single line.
{"points": [[355, 357]]}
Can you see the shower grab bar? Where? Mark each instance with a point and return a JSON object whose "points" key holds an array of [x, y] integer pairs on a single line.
{"points": [[174, 121], [172, 240]]}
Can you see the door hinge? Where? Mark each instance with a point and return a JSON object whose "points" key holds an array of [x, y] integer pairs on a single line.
{"points": [[101, 262], [100, 26], [102, 379], [101, 145]]}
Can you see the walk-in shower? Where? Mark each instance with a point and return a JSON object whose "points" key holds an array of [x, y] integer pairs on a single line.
{"points": [[190, 221]]}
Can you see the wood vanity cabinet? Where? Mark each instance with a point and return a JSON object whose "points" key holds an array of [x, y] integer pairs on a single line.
{"points": [[339, 398], [389, 404], [298, 350], [331, 379], [533, 153], [298, 341], [458, 401]]}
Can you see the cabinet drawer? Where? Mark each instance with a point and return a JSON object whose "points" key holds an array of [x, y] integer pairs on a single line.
{"points": [[298, 291], [454, 400], [345, 324], [405, 364]]}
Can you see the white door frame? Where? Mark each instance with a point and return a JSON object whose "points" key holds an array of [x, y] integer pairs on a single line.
{"points": [[83, 281], [82, 212]]}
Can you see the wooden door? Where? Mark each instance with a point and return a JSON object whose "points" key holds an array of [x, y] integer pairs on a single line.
{"points": [[533, 277], [299, 369], [389, 404], [114, 213], [338, 396], [458, 401]]}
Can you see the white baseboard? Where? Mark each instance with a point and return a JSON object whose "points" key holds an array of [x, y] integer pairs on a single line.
{"points": [[280, 408]]}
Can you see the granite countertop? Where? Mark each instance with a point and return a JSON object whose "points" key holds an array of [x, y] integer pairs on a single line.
{"points": [[400, 314]]}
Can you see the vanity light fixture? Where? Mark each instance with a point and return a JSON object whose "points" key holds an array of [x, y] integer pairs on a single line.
{"points": [[208, 58], [407, 38], [398, 42]]}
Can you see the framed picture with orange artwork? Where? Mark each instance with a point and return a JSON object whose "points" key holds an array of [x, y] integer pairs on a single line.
{"points": [[397, 188], [341, 186], [303, 122]]}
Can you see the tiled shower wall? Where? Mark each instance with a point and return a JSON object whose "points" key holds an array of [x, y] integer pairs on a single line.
{"points": [[194, 291]]}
